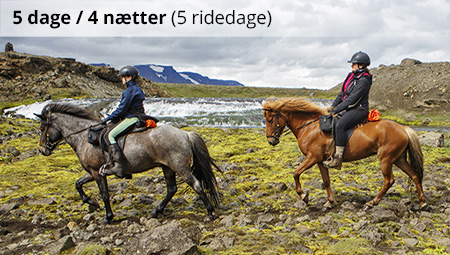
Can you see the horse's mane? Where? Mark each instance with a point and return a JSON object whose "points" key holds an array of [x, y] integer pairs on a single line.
{"points": [[293, 105], [69, 109]]}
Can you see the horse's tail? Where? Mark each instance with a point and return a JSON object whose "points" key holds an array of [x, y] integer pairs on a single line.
{"points": [[202, 167], [415, 152]]}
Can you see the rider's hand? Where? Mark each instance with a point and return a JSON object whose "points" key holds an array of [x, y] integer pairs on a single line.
{"points": [[330, 109]]}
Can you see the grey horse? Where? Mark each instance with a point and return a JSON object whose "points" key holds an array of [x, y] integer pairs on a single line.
{"points": [[174, 150]]}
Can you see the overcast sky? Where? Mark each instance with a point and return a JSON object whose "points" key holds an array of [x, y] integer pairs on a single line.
{"points": [[307, 45]]}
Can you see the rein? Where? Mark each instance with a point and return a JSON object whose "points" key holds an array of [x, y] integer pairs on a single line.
{"points": [[49, 145], [277, 133], [302, 126]]}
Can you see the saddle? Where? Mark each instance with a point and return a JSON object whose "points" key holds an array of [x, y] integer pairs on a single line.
{"points": [[97, 135], [328, 125]]}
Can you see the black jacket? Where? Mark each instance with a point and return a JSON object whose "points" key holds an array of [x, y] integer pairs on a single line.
{"points": [[356, 93]]}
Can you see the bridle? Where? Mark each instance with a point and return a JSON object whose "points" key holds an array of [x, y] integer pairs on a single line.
{"points": [[52, 145], [277, 131], [46, 143]]}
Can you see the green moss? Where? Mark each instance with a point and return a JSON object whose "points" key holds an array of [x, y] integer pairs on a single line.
{"points": [[27, 101], [189, 90], [351, 246], [14, 126], [94, 249]]}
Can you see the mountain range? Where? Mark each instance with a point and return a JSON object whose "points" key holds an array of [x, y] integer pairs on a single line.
{"points": [[168, 74]]}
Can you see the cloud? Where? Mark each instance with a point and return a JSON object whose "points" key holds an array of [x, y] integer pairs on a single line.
{"points": [[309, 48]]}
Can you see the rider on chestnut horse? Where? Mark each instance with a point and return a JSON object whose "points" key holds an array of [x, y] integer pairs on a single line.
{"points": [[352, 104]]}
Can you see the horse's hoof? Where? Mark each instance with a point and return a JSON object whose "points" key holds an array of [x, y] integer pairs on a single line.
{"points": [[327, 206], [423, 206], [210, 217], [156, 214], [367, 207], [106, 221], [305, 197], [326, 209], [94, 202], [92, 208]]}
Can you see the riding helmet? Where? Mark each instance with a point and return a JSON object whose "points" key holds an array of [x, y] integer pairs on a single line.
{"points": [[360, 58], [129, 71]]}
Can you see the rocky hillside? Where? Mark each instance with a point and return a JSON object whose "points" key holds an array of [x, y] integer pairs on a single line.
{"points": [[413, 86], [25, 76]]}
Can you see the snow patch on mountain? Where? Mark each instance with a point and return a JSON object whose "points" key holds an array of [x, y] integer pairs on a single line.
{"points": [[167, 74]]}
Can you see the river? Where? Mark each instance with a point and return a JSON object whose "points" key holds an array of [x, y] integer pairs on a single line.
{"points": [[203, 112], [198, 112]]}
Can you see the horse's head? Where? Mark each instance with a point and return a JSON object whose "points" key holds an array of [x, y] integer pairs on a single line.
{"points": [[50, 135], [275, 123]]}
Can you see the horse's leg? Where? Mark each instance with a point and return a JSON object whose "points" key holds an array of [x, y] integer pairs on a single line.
{"points": [[79, 186], [195, 184], [386, 169], [327, 183], [307, 163], [406, 167], [102, 184], [171, 183]]}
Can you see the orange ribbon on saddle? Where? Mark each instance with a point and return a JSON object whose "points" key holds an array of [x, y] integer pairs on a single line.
{"points": [[150, 123], [374, 115]]}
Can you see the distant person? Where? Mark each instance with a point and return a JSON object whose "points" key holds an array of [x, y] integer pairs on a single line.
{"points": [[127, 114], [352, 104]]}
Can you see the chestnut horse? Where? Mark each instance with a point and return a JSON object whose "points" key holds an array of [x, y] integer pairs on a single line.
{"points": [[389, 140], [174, 150]]}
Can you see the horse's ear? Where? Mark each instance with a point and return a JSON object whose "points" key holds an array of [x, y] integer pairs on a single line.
{"points": [[39, 116]]}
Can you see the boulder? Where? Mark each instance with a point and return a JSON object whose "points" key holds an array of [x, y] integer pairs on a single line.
{"points": [[445, 198], [383, 215], [9, 47], [410, 117], [163, 240], [410, 62], [61, 245], [432, 139], [6, 208]]}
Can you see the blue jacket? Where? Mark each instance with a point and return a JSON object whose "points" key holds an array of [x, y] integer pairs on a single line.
{"points": [[132, 98]]}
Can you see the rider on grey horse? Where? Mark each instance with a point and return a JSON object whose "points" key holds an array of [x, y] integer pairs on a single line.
{"points": [[127, 114]]}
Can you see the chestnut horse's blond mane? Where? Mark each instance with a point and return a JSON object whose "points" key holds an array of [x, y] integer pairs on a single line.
{"points": [[293, 105]]}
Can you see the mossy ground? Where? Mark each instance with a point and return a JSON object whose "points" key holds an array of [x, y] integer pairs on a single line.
{"points": [[260, 167]]}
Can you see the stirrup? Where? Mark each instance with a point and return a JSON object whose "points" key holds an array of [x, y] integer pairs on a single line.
{"points": [[102, 170], [337, 165], [327, 161], [106, 172]]}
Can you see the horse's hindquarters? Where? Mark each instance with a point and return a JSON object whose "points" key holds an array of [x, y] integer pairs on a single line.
{"points": [[164, 145]]}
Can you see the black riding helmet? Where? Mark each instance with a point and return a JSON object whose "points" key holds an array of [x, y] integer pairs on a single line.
{"points": [[360, 58], [129, 71]]}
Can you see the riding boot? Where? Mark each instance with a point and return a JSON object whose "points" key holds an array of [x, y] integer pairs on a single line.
{"points": [[117, 159], [336, 162]]}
